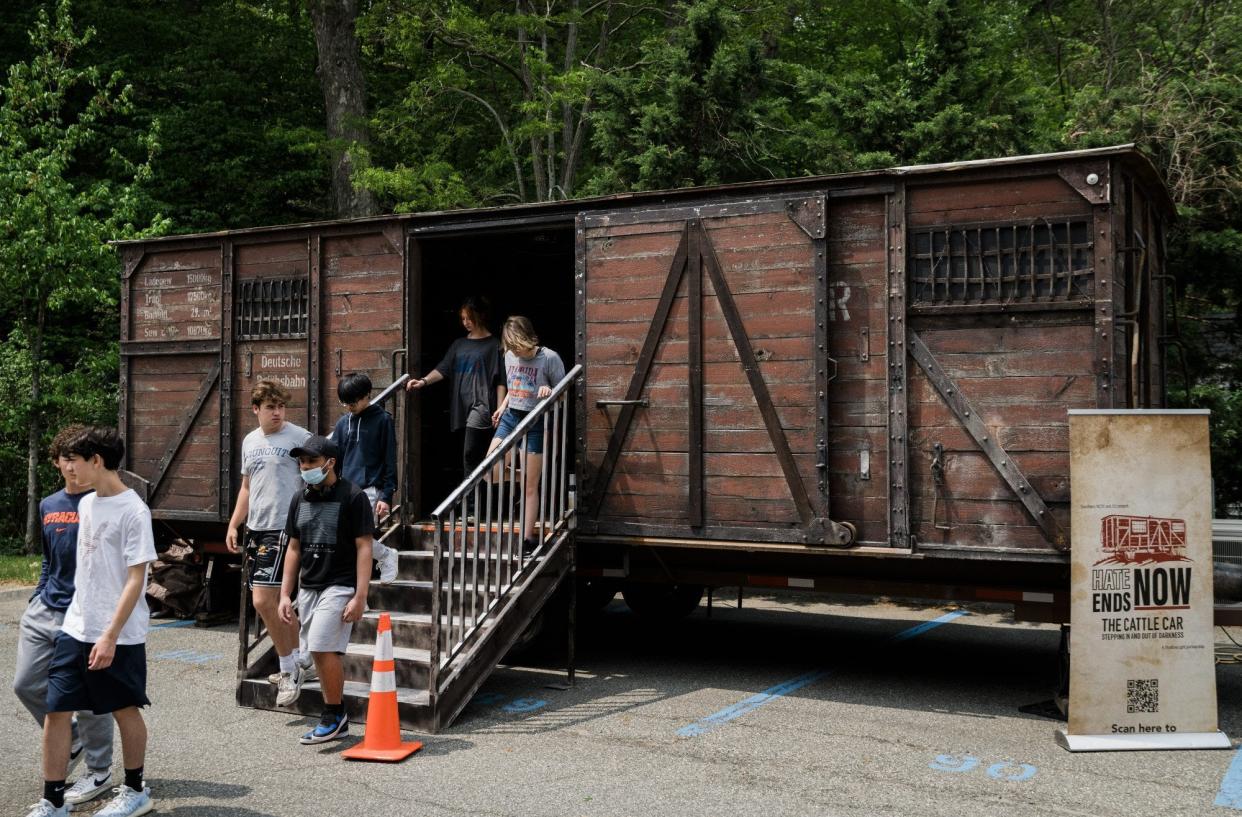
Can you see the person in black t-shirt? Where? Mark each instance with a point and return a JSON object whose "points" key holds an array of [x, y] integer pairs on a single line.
{"points": [[475, 370], [329, 558]]}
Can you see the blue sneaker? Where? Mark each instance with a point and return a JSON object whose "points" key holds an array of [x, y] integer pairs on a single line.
{"points": [[330, 727]]}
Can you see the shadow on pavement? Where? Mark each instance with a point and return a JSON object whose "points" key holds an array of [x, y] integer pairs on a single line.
{"points": [[962, 668]]}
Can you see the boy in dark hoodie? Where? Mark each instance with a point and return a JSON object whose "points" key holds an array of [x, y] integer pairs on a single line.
{"points": [[368, 442]]}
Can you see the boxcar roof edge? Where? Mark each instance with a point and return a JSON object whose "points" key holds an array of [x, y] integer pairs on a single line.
{"points": [[568, 208]]}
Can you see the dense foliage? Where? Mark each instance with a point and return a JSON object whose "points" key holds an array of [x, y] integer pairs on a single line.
{"points": [[482, 102]]}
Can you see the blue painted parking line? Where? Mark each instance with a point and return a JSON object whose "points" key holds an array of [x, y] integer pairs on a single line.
{"points": [[1013, 772], [487, 698], [522, 705], [784, 688], [1005, 770], [1230, 794], [954, 763], [168, 625], [919, 629], [750, 704]]}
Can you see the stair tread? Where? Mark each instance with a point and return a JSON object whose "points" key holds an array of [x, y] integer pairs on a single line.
{"points": [[427, 554], [359, 689], [419, 584], [398, 653], [406, 618]]}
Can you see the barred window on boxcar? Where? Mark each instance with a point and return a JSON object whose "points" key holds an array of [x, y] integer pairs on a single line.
{"points": [[1042, 261], [272, 309]]}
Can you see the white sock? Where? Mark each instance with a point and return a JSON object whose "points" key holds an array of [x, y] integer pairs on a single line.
{"points": [[288, 663]]}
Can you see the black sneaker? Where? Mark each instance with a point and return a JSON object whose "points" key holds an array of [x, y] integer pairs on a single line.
{"points": [[529, 546], [331, 727]]}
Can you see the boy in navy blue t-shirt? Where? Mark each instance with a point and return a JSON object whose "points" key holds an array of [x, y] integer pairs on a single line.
{"points": [[41, 623]]}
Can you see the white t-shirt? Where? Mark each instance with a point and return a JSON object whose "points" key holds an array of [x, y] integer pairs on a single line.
{"points": [[274, 475], [114, 534]]}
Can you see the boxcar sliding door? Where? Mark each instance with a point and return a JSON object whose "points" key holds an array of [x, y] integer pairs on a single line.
{"points": [[703, 339]]}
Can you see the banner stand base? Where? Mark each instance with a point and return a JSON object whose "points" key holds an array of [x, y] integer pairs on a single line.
{"points": [[1143, 742]]}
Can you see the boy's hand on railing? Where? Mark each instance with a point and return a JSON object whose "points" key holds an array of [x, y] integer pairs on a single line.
{"points": [[544, 391], [381, 510]]}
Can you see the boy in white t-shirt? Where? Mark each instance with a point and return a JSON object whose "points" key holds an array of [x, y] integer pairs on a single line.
{"points": [[269, 481], [100, 660]]}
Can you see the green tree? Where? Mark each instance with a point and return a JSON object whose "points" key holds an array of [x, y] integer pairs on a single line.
{"points": [[697, 110], [54, 258], [493, 100], [1168, 76], [232, 84]]}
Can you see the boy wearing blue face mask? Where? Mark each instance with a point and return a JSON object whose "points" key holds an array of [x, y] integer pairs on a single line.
{"points": [[269, 482], [329, 560]]}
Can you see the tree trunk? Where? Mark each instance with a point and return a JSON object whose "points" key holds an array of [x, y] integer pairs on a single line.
{"points": [[344, 99], [34, 542], [536, 152]]}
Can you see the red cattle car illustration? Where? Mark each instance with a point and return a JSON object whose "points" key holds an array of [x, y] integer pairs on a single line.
{"points": [[1130, 538]]}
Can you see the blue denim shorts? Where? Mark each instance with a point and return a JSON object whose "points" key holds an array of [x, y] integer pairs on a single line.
{"points": [[509, 421]]}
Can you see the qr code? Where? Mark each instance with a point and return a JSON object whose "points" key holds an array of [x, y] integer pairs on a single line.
{"points": [[1143, 695]]}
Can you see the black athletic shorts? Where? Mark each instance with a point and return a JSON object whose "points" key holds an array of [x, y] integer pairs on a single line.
{"points": [[267, 557], [71, 687]]}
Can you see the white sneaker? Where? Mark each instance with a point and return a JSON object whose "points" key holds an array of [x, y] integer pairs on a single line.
{"points": [[290, 687], [76, 753], [127, 803], [43, 808], [309, 673], [388, 566], [88, 786]]}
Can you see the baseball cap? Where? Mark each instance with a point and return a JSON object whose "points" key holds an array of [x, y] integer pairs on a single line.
{"points": [[317, 446]]}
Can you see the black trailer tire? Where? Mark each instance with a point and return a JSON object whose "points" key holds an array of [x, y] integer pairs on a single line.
{"points": [[662, 601], [595, 594]]}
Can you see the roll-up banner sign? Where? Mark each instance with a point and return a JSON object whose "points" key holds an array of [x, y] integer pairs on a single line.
{"points": [[1142, 666]]}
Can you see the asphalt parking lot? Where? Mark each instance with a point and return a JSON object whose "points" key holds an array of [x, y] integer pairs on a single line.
{"points": [[792, 705]]}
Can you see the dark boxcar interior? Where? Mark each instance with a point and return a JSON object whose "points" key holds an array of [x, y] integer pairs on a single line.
{"points": [[522, 273]]}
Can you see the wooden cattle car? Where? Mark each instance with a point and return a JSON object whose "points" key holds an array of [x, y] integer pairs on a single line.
{"points": [[854, 383]]}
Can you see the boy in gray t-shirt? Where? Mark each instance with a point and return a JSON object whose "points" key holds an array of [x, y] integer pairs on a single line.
{"points": [[270, 478]]}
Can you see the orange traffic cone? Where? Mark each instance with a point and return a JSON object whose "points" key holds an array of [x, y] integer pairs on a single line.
{"points": [[383, 735]]}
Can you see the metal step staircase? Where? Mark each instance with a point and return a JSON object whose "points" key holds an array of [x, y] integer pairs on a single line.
{"points": [[464, 594]]}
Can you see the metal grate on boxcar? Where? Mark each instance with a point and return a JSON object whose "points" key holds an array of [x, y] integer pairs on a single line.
{"points": [[273, 309], [1041, 261]]}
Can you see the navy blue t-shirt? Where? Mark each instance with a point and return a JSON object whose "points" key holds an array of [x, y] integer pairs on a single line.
{"points": [[59, 513]]}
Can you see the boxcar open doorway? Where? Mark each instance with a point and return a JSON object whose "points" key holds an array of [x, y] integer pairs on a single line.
{"points": [[521, 272]]}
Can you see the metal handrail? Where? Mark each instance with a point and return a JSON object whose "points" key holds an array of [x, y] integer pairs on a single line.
{"points": [[486, 547]]}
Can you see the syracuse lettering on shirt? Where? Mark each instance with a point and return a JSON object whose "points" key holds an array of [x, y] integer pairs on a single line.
{"points": [[60, 518]]}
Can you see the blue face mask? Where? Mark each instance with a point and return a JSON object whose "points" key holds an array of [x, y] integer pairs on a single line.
{"points": [[314, 476]]}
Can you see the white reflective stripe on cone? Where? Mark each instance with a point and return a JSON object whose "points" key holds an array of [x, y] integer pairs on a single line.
{"points": [[383, 646], [384, 681]]}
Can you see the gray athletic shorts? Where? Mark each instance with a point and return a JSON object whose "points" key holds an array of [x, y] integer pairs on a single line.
{"points": [[320, 613]]}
